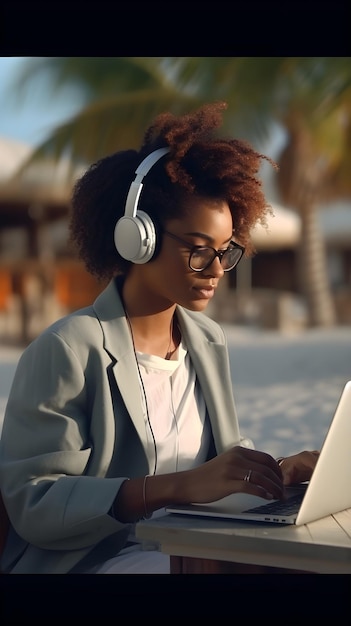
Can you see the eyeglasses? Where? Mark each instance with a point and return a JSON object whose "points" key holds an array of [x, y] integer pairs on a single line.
{"points": [[201, 257]]}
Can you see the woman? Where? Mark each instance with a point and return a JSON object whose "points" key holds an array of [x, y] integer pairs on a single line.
{"points": [[126, 406]]}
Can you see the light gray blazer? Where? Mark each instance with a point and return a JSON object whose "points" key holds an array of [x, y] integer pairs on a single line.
{"points": [[75, 402]]}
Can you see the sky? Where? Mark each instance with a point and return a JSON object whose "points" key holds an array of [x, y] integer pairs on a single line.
{"points": [[30, 120]]}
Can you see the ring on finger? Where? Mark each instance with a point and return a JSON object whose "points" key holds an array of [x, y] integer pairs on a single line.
{"points": [[248, 476]]}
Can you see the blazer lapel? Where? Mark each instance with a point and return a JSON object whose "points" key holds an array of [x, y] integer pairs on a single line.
{"points": [[208, 357], [119, 345]]}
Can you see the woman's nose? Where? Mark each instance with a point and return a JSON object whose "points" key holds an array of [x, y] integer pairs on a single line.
{"points": [[215, 269]]}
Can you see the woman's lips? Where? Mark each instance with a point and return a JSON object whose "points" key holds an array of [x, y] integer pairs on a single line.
{"points": [[205, 292]]}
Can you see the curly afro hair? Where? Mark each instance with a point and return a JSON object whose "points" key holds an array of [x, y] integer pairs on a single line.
{"points": [[199, 163]]}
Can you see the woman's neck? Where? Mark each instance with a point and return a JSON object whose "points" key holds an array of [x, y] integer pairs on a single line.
{"points": [[154, 330]]}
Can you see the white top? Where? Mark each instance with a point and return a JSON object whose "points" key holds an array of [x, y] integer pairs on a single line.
{"points": [[176, 424], [175, 411], [178, 427]]}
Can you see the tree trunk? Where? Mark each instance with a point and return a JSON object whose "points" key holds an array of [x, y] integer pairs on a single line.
{"points": [[313, 270], [300, 180]]}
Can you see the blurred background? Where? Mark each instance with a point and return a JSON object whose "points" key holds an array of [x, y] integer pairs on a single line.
{"points": [[60, 114]]}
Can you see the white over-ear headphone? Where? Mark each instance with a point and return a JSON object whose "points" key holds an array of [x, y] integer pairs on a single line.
{"points": [[135, 232]]}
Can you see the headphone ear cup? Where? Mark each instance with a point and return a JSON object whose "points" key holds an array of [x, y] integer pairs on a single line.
{"points": [[135, 238]]}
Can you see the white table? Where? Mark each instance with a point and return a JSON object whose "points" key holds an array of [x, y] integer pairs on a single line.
{"points": [[212, 545]]}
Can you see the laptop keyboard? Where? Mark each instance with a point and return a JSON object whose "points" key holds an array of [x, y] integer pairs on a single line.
{"points": [[280, 507]]}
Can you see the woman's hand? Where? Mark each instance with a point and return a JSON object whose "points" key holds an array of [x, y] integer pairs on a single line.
{"points": [[299, 467], [236, 470]]}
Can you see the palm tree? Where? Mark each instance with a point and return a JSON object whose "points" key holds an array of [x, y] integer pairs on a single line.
{"points": [[315, 111], [310, 98], [119, 96]]}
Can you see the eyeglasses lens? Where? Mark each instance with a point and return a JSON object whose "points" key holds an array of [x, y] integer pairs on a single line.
{"points": [[203, 257], [231, 258]]}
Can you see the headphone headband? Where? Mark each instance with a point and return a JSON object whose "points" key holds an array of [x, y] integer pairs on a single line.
{"points": [[136, 186]]}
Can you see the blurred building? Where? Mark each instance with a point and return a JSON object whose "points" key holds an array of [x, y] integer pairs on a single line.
{"points": [[40, 279], [265, 290]]}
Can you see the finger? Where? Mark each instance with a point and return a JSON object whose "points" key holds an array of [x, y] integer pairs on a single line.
{"points": [[262, 459], [263, 483], [265, 472]]}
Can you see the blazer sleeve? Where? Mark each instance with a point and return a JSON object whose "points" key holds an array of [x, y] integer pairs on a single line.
{"points": [[51, 499]]}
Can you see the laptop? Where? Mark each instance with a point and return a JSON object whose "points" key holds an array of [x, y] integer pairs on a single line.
{"points": [[327, 492]]}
